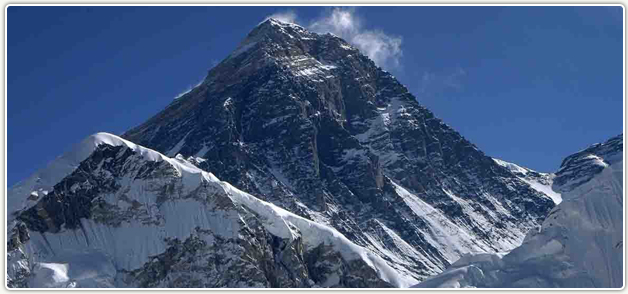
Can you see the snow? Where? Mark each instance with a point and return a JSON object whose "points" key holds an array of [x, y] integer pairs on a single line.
{"points": [[46, 178], [308, 66], [465, 272], [49, 275], [91, 256], [545, 189], [313, 234], [580, 244], [70, 269], [522, 172], [512, 167], [597, 160], [346, 47], [441, 233], [227, 102]]}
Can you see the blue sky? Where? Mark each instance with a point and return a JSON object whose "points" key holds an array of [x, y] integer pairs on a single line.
{"points": [[530, 85]]}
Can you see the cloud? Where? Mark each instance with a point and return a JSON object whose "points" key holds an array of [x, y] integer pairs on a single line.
{"points": [[433, 84], [385, 50], [339, 21], [288, 16]]}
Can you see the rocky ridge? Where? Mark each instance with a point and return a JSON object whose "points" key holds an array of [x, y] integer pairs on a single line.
{"points": [[300, 120], [580, 243]]}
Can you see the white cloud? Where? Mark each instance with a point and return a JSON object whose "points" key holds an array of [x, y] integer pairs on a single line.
{"points": [[288, 16], [383, 49], [341, 22]]}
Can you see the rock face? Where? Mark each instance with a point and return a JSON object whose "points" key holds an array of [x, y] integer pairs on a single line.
{"points": [[580, 243], [300, 120], [308, 123], [128, 216]]}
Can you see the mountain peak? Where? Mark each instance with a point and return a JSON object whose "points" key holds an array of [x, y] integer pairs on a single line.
{"points": [[287, 38], [276, 22], [277, 30], [305, 122], [581, 166]]}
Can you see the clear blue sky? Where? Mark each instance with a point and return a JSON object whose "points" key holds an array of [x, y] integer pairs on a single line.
{"points": [[530, 85]]}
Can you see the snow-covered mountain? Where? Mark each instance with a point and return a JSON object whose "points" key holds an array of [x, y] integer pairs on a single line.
{"points": [[333, 175], [580, 243], [541, 182], [130, 216]]}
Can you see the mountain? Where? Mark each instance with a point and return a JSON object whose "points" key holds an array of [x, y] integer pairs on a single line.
{"points": [[130, 216], [580, 243], [347, 182], [541, 182]]}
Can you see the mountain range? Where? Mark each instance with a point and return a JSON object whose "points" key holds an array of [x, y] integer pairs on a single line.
{"points": [[580, 243], [297, 162]]}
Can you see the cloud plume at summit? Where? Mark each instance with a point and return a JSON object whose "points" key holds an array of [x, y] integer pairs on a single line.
{"points": [[384, 49]]}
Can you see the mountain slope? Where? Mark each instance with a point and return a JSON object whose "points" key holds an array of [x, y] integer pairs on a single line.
{"points": [[143, 219], [307, 122], [300, 120], [541, 182], [580, 243]]}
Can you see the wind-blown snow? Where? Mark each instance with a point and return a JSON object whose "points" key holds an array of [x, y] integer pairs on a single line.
{"points": [[188, 90]]}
